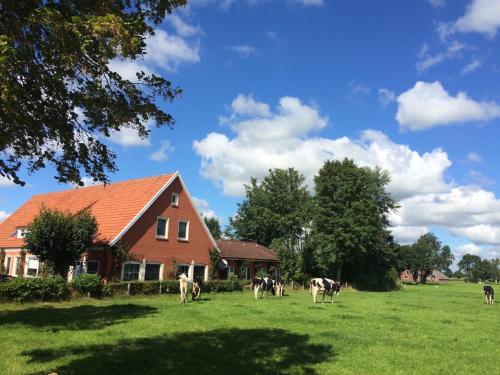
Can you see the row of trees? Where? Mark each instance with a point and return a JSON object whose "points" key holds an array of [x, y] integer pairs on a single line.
{"points": [[473, 268], [341, 231]]}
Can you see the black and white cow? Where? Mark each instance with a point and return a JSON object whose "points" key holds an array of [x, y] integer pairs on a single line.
{"points": [[262, 284], [279, 287], [324, 286], [196, 291], [489, 294]]}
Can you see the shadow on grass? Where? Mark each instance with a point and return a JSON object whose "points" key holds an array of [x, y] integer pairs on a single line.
{"points": [[223, 351], [78, 317]]}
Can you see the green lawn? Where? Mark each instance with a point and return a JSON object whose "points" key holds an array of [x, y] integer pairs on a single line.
{"points": [[418, 330]]}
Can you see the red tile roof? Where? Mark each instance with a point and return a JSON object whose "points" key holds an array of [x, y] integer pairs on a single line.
{"points": [[114, 206], [245, 250]]}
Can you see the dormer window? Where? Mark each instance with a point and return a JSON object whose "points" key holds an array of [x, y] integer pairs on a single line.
{"points": [[21, 232], [175, 199]]}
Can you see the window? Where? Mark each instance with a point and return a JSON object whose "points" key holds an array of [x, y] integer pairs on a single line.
{"points": [[92, 266], [199, 272], [152, 271], [16, 265], [175, 199], [248, 273], [183, 230], [131, 271], [161, 227], [231, 270], [21, 232], [32, 267], [182, 268], [7, 265]]}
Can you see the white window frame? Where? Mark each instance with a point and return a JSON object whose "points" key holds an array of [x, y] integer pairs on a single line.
{"points": [[93, 261], [159, 270], [167, 221], [21, 232], [123, 270], [17, 262], [187, 230], [6, 264], [230, 269], [28, 266], [175, 199]]}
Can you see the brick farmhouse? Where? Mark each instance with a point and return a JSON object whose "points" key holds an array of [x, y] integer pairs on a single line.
{"points": [[153, 218]]}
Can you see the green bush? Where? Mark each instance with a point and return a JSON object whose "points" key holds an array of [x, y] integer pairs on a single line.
{"points": [[27, 289], [88, 284], [169, 287]]}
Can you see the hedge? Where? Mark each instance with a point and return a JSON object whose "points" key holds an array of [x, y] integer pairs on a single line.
{"points": [[27, 289], [168, 286], [56, 289]]}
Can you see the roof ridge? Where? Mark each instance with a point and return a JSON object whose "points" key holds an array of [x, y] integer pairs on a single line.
{"points": [[102, 185]]}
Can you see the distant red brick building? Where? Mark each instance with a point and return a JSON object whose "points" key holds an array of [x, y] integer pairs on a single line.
{"points": [[247, 258], [435, 277], [154, 218]]}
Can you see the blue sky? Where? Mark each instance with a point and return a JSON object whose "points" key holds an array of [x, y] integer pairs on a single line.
{"points": [[411, 86]]}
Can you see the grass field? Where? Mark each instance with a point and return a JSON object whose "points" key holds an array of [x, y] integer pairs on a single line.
{"points": [[443, 329]]}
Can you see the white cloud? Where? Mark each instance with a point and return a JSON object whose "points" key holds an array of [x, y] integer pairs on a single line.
{"points": [[481, 16], [182, 28], [309, 2], [3, 215], [204, 208], [479, 179], [164, 51], [162, 153], [473, 65], [5, 182], [426, 60], [437, 3], [475, 157], [468, 248], [244, 50], [428, 104], [358, 89], [408, 234], [245, 105], [386, 97], [128, 137], [286, 139]]}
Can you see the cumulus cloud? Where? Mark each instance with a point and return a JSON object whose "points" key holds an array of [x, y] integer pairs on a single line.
{"points": [[5, 182], [164, 51], [286, 138], [3, 215], [162, 154], [437, 3], [468, 248], [481, 16], [204, 208], [129, 137], [261, 137], [428, 104]]}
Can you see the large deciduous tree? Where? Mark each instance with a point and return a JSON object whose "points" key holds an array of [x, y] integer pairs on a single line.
{"points": [[277, 213], [213, 226], [350, 223], [58, 97], [59, 239]]}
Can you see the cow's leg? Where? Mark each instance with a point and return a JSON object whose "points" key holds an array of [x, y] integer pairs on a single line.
{"points": [[323, 299], [314, 293], [332, 296], [256, 291]]}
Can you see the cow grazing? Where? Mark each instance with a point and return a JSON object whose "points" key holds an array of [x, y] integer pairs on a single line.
{"points": [[183, 286], [262, 284], [324, 286], [279, 287], [196, 291], [489, 294]]}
